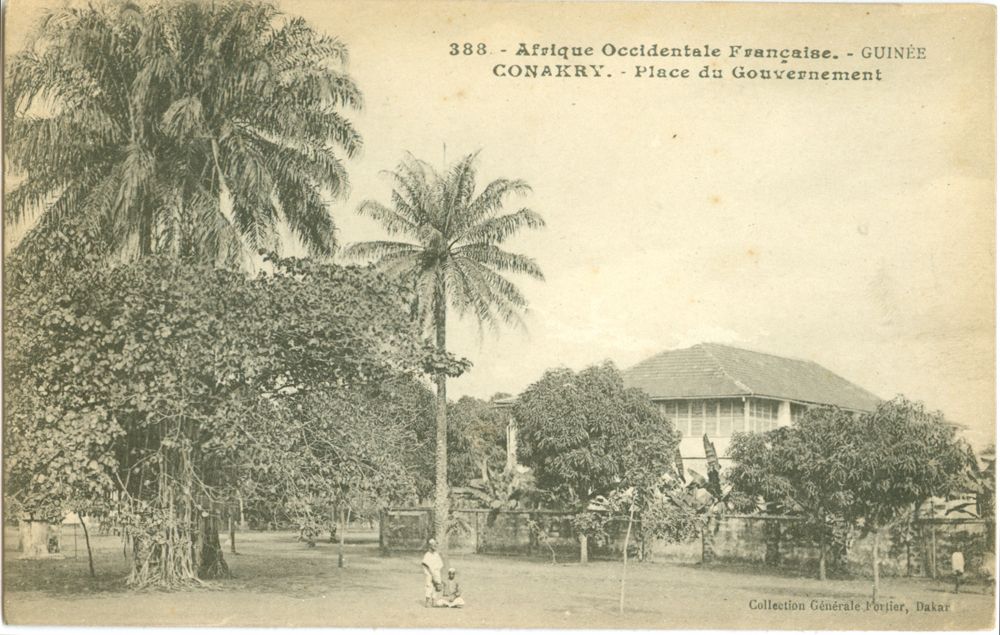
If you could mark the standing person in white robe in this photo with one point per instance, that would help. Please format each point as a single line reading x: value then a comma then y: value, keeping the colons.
x: 957, y: 567
x: 432, y: 565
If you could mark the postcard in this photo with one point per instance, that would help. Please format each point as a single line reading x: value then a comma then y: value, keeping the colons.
x: 506, y: 315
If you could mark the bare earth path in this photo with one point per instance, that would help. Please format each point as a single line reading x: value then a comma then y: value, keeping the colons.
x: 279, y: 582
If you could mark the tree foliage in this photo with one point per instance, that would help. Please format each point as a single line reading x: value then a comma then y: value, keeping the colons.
x: 986, y: 494
x: 867, y: 471
x: 177, y: 127
x: 312, y: 454
x: 477, y: 440
x: 792, y: 469
x: 898, y: 456
x: 127, y: 383
x: 797, y: 471
x: 585, y: 435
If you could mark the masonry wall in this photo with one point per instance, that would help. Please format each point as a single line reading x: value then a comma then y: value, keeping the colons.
x: 736, y: 539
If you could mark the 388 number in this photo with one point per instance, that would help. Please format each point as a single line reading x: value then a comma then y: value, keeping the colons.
x: 468, y: 49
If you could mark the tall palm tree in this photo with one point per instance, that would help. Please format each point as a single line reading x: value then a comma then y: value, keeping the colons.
x: 179, y: 127
x: 453, y: 257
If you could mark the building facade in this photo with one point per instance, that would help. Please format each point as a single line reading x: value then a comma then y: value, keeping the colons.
x: 720, y: 390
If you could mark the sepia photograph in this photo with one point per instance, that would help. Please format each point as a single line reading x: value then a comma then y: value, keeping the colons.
x: 499, y: 315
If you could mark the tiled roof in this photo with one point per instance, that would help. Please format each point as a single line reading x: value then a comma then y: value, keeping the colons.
x: 715, y: 370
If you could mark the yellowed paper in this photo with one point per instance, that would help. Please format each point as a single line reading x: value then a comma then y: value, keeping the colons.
x: 812, y: 181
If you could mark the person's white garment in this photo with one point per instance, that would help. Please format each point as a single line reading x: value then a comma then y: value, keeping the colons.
x: 958, y: 562
x: 432, y: 572
x: 452, y: 595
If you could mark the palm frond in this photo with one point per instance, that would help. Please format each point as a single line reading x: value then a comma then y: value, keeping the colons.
x: 392, y: 220
x: 496, y: 230
x: 378, y: 249
x: 457, y: 189
x: 504, y: 289
x: 491, y: 200
x: 457, y: 236
x: 170, y: 103
x: 496, y: 300
x: 307, y: 216
x: 398, y: 266
x: 501, y: 260
x: 467, y: 293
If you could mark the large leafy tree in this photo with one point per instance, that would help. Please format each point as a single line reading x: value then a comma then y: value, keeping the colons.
x: 136, y: 385
x: 180, y: 127
x: 867, y: 471
x: 319, y: 456
x: 794, y: 470
x: 453, y: 256
x: 896, y: 458
x: 586, y: 437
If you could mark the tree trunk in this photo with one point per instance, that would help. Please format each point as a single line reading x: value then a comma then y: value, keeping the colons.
x: 475, y: 532
x: 35, y: 537
x: 908, y: 573
x: 701, y: 534
x: 875, y: 567
x: 583, y: 548
x: 86, y: 538
x: 441, y: 450
x: 334, y: 511
x: 209, y: 562
x: 345, y: 517
x: 822, y: 558
x: 232, y: 534
x: 934, y: 552
x: 628, y: 534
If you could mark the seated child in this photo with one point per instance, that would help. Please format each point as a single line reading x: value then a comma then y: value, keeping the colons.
x: 452, y: 598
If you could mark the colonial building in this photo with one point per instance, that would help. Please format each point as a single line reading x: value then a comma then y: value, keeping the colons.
x: 721, y: 390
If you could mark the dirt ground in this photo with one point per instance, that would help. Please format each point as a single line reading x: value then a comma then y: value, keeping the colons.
x: 281, y: 582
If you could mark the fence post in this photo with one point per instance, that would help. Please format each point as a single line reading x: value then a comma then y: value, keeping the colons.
x: 475, y: 532
x: 531, y: 536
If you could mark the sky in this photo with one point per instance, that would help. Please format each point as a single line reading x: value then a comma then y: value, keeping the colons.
x: 848, y: 223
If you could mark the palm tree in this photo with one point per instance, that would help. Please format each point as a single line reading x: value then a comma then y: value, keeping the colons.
x: 453, y: 257
x: 179, y: 128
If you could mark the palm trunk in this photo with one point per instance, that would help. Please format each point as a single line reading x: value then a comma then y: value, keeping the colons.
x: 583, y: 549
x: 441, y: 454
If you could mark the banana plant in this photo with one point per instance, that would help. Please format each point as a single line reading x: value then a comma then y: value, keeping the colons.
x: 703, y: 498
x: 499, y: 491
